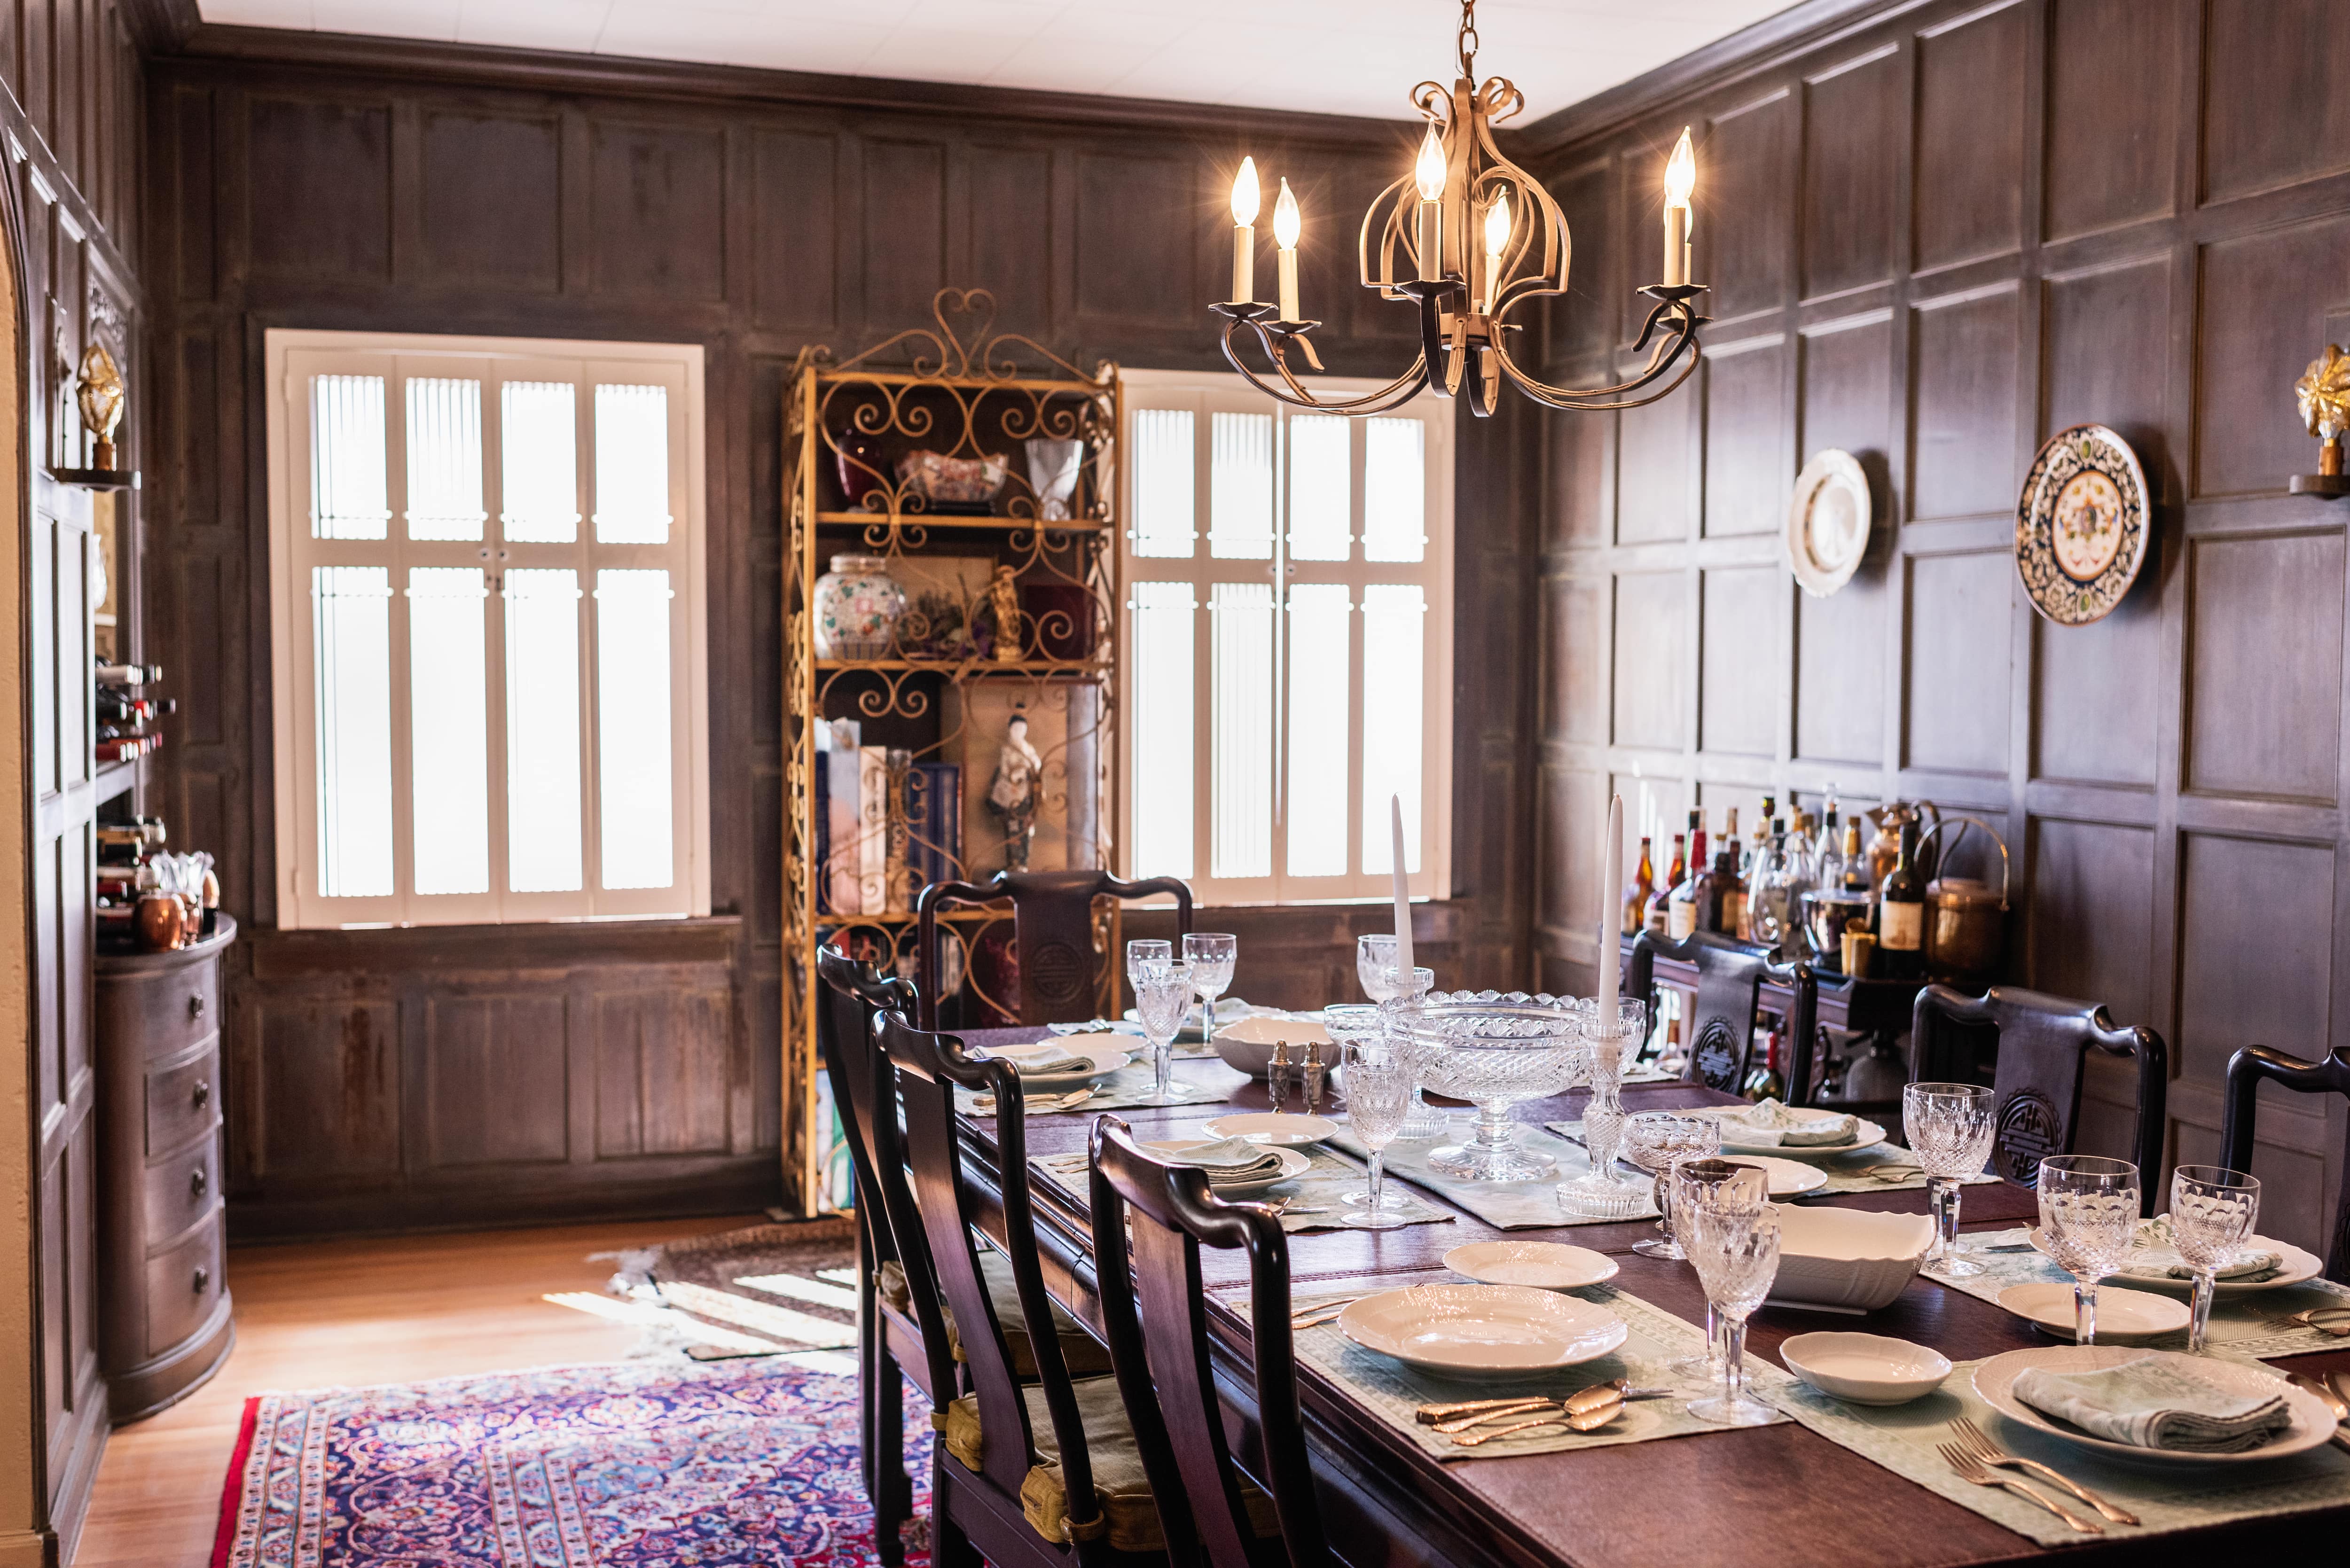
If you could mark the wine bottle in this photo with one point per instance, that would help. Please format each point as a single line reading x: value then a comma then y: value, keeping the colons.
x: 1856, y: 868
x: 1726, y: 893
x: 129, y: 674
x: 1769, y: 1081
x: 1636, y: 895
x: 1761, y: 834
x: 1682, y: 910
x: 1660, y: 907
x: 1901, y: 914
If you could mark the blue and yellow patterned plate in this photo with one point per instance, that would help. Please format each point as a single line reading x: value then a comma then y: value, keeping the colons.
x: 2081, y: 524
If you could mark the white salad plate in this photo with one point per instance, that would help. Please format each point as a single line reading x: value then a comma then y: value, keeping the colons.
x: 1293, y: 1166
x: 1865, y: 1368
x: 1788, y: 1178
x: 1280, y: 1128
x: 1544, y: 1265
x: 1995, y: 1380
x: 1866, y: 1135
x: 2121, y: 1313
x: 1101, y: 1062
x: 2297, y: 1268
x: 1478, y: 1333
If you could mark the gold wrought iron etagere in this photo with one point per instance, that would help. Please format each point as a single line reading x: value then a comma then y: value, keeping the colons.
x: 936, y: 452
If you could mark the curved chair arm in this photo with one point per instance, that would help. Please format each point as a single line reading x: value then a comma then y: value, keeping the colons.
x: 2247, y: 1068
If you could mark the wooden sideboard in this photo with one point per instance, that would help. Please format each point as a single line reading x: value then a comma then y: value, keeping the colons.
x: 164, y: 1322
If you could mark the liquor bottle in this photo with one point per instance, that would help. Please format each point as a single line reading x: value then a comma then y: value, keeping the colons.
x: 1901, y: 914
x: 129, y: 674
x: 1762, y: 833
x: 1660, y: 908
x: 1855, y: 869
x: 1726, y: 893
x: 1769, y: 1081
x: 1643, y: 887
x: 1828, y: 859
x: 1768, y: 916
x: 1682, y: 910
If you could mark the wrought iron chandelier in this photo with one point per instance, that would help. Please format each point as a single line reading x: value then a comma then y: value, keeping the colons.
x: 1470, y: 237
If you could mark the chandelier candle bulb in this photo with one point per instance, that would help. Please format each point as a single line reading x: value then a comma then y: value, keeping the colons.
x: 1681, y: 181
x: 1244, y: 205
x: 1429, y: 174
x: 1285, y: 226
x: 1497, y: 240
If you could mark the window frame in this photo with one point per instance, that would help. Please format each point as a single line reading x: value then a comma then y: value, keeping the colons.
x: 292, y: 356
x: 1206, y: 393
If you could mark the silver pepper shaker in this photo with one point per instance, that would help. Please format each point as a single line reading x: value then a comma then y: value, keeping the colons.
x: 1276, y: 1073
x: 1315, y: 1074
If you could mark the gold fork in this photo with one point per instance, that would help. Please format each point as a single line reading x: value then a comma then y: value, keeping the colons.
x: 1314, y: 1317
x: 2337, y: 1319
x: 1971, y: 1438
x: 1971, y: 1468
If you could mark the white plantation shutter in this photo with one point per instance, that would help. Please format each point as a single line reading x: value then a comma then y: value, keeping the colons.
x: 488, y: 590
x: 1289, y: 645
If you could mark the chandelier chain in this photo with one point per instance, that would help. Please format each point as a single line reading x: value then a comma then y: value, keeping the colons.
x: 1469, y: 40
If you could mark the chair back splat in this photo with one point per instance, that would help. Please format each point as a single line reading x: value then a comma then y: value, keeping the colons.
x: 2247, y: 1070
x: 1052, y: 933
x: 1729, y: 987
x: 1159, y: 1345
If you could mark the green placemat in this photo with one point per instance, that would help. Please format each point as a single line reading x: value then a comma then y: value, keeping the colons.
x: 1315, y: 1200
x: 1394, y: 1391
x: 2241, y: 1324
x: 1847, y: 1171
x: 2165, y: 1497
x: 1506, y: 1205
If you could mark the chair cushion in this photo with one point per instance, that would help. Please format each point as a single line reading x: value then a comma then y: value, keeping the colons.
x: 1120, y: 1487
x: 1086, y: 1356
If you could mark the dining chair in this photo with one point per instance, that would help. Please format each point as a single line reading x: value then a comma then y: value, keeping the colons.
x: 2247, y: 1069
x: 1052, y: 935
x: 1023, y: 1475
x: 2043, y: 1043
x: 1150, y: 1221
x: 1729, y: 989
x: 1803, y: 1030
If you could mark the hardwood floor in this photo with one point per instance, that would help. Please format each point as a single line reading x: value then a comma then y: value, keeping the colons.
x: 320, y: 1314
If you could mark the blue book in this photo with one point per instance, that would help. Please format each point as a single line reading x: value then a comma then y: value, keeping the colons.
x: 933, y: 823
x: 819, y: 845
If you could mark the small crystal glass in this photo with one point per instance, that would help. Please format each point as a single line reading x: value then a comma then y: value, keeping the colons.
x: 1732, y: 1231
x: 1949, y: 1128
x: 1162, y: 997
x: 1379, y: 1092
x: 1375, y: 970
x: 1605, y: 1043
x: 1493, y: 1051
x: 1210, y: 955
x: 1140, y: 950
x: 2088, y: 1216
x: 1658, y: 1141
x: 1348, y: 1022
x: 2211, y: 1212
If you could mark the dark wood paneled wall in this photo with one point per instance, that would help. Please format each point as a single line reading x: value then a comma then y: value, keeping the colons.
x: 307, y: 184
x: 1935, y: 240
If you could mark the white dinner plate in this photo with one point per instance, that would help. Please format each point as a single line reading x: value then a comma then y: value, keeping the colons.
x: 1480, y: 1332
x: 1994, y: 1379
x: 1280, y: 1128
x: 1293, y: 1166
x: 1102, y: 1060
x: 2298, y: 1267
x: 2121, y: 1313
x: 1788, y: 1178
x: 1544, y: 1265
x: 1866, y: 1134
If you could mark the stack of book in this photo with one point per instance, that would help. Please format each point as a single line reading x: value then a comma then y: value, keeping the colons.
x: 887, y: 826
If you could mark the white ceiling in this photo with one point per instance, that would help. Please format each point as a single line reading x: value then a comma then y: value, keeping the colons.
x: 1332, y: 57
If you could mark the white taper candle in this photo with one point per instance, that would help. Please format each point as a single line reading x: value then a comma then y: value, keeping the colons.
x: 1611, y: 872
x: 1403, y: 902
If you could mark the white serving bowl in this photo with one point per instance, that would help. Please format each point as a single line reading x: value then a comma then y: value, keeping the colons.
x: 1246, y: 1044
x: 1847, y: 1257
x: 1865, y: 1368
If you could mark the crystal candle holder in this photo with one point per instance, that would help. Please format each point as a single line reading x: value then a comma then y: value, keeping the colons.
x: 1605, y: 1043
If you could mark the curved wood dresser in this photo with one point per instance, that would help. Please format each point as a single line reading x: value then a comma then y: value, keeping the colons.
x: 163, y: 1301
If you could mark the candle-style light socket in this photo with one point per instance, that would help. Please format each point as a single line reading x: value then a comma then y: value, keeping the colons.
x: 1243, y: 263
x: 1289, y: 311
x: 1677, y: 246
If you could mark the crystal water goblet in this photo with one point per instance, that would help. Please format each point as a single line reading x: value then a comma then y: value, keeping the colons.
x: 1600, y: 1059
x: 1140, y: 950
x: 1378, y: 1093
x: 1162, y: 998
x: 1949, y: 1128
x: 1422, y: 1120
x: 1348, y: 1022
x: 2212, y: 1211
x: 1658, y: 1141
x: 1210, y: 955
x: 1732, y: 1231
x: 2088, y: 1217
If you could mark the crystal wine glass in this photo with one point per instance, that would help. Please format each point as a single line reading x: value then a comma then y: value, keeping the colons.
x: 1210, y: 955
x: 1732, y: 1231
x: 1658, y: 1141
x: 1348, y: 1022
x: 1375, y: 970
x: 1605, y: 1042
x: 1378, y: 1091
x: 2088, y: 1216
x: 2211, y: 1212
x: 1162, y: 997
x: 1949, y: 1128
x: 1140, y: 950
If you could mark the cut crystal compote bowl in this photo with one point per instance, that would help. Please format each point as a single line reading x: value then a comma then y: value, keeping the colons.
x: 1493, y: 1050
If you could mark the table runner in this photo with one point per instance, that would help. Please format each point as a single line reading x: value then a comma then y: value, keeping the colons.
x: 1844, y: 1171
x: 1505, y: 1205
x: 1392, y: 1391
x: 2169, y: 1498
x: 1317, y: 1206
x: 1129, y: 1086
x: 2241, y: 1325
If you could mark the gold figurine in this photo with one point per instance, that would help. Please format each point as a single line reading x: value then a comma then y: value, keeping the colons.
x: 2324, y: 393
x: 1003, y: 594
x: 101, y: 391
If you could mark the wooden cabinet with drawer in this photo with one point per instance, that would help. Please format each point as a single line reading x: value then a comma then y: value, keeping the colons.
x: 164, y: 1323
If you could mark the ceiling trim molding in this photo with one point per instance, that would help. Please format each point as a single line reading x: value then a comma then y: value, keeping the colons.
x: 1750, y: 51
x: 159, y: 26
x: 618, y: 76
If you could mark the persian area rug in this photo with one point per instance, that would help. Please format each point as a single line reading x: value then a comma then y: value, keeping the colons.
x: 625, y: 1466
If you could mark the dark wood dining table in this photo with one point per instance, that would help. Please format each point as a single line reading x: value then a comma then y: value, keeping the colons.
x: 1742, y: 1498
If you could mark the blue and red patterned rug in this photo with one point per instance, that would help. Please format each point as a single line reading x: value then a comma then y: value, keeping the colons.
x: 633, y: 1465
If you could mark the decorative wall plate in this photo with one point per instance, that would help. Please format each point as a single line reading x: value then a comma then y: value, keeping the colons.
x: 2081, y: 524
x: 1827, y: 523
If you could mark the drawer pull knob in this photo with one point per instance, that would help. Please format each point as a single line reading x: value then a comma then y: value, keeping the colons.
x: 196, y: 1005
x: 203, y: 1277
x: 199, y: 1182
x: 203, y: 1093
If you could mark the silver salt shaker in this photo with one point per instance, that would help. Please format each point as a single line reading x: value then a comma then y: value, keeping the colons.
x: 1276, y: 1073
x: 1314, y: 1074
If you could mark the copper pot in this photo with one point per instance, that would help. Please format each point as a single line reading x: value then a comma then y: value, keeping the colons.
x: 1966, y: 920
x: 159, y: 921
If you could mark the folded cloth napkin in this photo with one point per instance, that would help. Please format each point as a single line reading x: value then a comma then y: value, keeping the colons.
x: 2152, y: 1402
x: 1770, y: 1124
x: 1226, y: 1159
x: 1030, y: 1061
x: 2154, y: 1255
